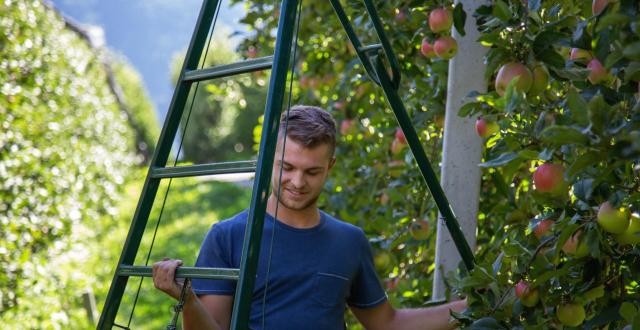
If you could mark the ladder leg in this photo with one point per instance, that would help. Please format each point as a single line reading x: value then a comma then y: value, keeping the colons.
x: 424, y: 165
x: 159, y: 159
x: 255, y: 221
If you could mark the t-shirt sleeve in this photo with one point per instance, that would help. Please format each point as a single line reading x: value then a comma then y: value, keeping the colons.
x: 366, y: 290
x: 214, y: 253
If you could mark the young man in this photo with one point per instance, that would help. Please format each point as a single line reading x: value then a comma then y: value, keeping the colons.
x: 317, y: 264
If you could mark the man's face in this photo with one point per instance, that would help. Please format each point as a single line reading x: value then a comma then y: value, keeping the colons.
x: 304, y: 172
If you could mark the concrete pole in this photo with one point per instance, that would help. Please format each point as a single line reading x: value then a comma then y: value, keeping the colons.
x: 462, y: 148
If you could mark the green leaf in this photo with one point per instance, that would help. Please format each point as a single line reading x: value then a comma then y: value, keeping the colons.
x: 573, y: 74
x: 583, y: 189
x: 557, y: 134
x: 550, y: 57
x: 612, y: 19
x: 469, y: 109
x: 500, y: 160
x: 598, y: 110
x: 533, y: 5
x: 501, y: 11
x: 628, y: 311
x: 459, y: 18
x: 486, y: 323
x: 632, y: 51
x: 632, y: 72
x: 583, y: 161
x: 578, y: 107
x: 528, y: 154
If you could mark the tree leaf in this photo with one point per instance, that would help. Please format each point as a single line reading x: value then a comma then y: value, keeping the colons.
x: 500, y: 160
x: 578, y: 107
x: 459, y: 18
x: 628, y: 311
x: 583, y: 189
x: 558, y: 134
x: 632, y: 51
x: 598, y: 109
x: 501, y: 11
x: 586, y: 159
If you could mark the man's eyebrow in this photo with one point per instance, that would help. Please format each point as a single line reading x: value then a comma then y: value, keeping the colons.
x: 285, y: 163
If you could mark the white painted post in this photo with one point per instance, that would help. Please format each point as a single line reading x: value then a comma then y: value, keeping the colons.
x: 462, y: 148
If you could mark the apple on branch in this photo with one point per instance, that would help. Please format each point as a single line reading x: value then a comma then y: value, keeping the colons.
x: 598, y: 6
x: 580, y: 55
x: 427, y: 49
x: 440, y: 20
x: 598, y: 72
x: 613, y: 220
x: 445, y: 47
x: 528, y: 297
x: 549, y: 178
x: 570, y: 314
x: 486, y: 128
x: 510, y: 71
x: 543, y: 228
x: 419, y: 230
x: 630, y: 236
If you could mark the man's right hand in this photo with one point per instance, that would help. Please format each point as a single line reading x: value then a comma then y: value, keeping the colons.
x: 164, y: 277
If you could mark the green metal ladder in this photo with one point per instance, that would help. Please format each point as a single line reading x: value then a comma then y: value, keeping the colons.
x: 370, y: 57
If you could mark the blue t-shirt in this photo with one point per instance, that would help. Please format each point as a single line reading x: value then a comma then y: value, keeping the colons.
x: 314, y: 272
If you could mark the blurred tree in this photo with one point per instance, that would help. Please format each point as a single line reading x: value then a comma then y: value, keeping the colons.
x: 224, y: 110
x: 66, y: 149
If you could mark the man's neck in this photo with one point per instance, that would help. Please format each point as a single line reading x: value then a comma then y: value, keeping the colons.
x: 307, y: 218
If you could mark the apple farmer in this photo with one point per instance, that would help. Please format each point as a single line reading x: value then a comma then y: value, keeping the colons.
x: 318, y: 264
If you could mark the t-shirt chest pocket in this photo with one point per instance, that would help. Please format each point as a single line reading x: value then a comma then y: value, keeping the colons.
x: 330, y: 289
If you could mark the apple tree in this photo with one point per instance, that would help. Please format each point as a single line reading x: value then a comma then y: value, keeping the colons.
x: 558, y: 225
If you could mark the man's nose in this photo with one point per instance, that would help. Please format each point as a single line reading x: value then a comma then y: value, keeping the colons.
x: 298, y: 180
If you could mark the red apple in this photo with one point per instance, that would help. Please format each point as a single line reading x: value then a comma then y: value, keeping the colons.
x: 427, y: 49
x: 543, y: 228
x: 540, y: 79
x: 598, y: 72
x: 384, y: 199
x: 347, y: 126
x: 486, y: 128
x: 528, y: 297
x: 598, y: 6
x: 612, y: 220
x: 548, y: 178
x: 580, y: 55
x: 401, y: 15
x: 252, y: 52
x: 400, y: 136
x: 440, y: 20
x: 419, y: 230
x: 397, y: 147
x: 339, y: 105
x: 445, y: 47
x: 510, y: 71
x: 570, y: 314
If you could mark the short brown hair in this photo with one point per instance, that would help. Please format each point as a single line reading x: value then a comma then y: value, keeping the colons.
x: 310, y: 126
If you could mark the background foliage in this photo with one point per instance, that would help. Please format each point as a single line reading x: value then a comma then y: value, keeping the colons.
x: 66, y: 149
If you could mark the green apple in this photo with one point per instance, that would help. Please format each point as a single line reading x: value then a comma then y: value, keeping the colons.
x: 571, y: 314
x: 575, y: 246
x: 612, y: 220
x: 631, y: 236
x: 510, y: 71
x: 528, y: 297
x: 382, y: 260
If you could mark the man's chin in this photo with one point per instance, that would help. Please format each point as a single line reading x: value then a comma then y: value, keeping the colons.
x: 297, y: 205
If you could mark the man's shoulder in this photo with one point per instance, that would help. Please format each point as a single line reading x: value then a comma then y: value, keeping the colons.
x: 342, y: 226
x: 236, y: 222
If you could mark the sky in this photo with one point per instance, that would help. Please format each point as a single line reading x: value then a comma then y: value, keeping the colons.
x: 149, y: 33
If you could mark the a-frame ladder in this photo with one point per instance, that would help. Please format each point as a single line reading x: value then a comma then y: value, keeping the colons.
x: 369, y: 56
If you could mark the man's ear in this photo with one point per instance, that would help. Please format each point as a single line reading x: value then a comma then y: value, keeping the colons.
x: 332, y: 162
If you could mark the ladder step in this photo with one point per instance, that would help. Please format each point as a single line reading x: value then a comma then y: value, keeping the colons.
x: 246, y: 166
x: 257, y: 64
x: 368, y: 48
x: 183, y: 272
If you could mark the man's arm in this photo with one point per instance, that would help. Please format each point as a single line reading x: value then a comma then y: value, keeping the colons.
x: 384, y: 316
x: 206, y: 312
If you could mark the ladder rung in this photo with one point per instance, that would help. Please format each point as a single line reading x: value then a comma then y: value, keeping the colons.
x: 370, y: 47
x: 246, y: 166
x: 184, y: 272
x: 257, y: 64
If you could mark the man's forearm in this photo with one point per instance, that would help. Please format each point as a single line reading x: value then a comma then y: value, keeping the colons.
x: 195, y: 316
x: 432, y: 318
